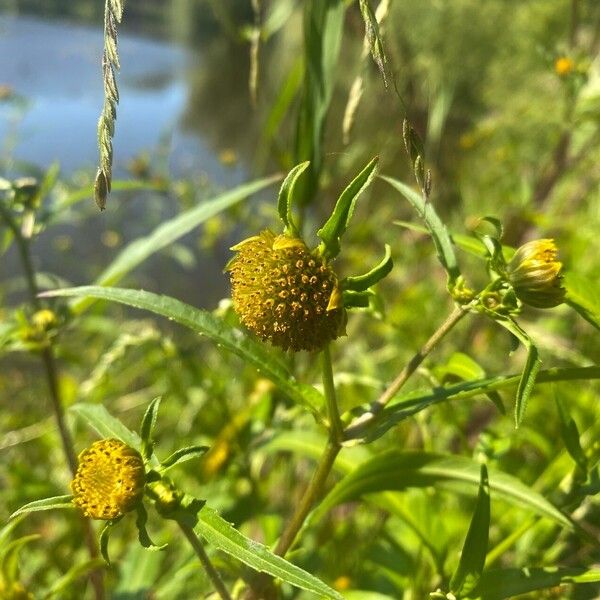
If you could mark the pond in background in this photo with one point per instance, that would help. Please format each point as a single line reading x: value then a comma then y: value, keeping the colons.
x: 54, y: 65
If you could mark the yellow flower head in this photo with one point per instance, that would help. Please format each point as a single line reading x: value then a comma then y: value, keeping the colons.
x: 284, y: 293
x: 563, y: 65
x: 535, y: 274
x: 109, y: 481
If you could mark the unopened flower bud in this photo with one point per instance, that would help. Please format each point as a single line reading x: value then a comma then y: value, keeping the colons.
x: 535, y: 274
x: 284, y: 293
x: 109, y: 481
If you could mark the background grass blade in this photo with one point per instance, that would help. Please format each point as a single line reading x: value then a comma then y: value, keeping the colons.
x: 137, y: 251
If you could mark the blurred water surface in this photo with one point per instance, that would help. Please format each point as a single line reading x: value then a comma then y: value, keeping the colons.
x: 50, y: 59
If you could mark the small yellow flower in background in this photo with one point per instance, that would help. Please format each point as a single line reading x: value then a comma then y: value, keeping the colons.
x: 14, y: 591
x: 342, y: 583
x: 284, y: 293
x: 109, y: 481
x: 535, y: 274
x: 563, y: 65
x: 44, y: 319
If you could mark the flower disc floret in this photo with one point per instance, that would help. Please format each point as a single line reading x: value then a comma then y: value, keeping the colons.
x: 109, y: 481
x: 284, y: 293
x: 535, y: 274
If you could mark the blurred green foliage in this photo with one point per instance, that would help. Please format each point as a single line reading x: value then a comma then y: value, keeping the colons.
x: 508, y: 130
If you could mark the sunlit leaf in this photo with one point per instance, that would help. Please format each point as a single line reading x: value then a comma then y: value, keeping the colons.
x: 502, y: 584
x: 205, y: 323
x: 437, y: 229
x: 334, y: 228
x: 472, y: 558
x: 530, y: 370
x: 221, y: 534
x: 399, y: 470
x: 45, y: 504
x: 286, y: 197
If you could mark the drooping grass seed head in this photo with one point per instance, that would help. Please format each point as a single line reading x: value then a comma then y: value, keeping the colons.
x: 535, y: 274
x: 109, y: 481
x: 284, y: 293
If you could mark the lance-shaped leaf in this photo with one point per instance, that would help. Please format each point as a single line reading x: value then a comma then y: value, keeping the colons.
x: 501, y: 584
x: 530, y: 370
x: 205, y: 323
x: 360, y: 283
x: 104, y: 538
x: 182, y: 455
x: 144, y: 538
x: 437, y: 229
x: 407, y: 405
x: 286, y: 197
x: 137, y: 251
x: 333, y: 230
x: 45, y: 504
x: 472, y: 559
x: 399, y: 470
x: 147, y: 427
x: 570, y: 434
x: 225, y: 537
x: 104, y: 424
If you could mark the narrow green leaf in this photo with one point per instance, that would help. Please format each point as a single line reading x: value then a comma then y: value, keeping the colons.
x: 144, y: 538
x: 323, y: 31
x: 356, y: 299
x: 570, y: 434
x: 472, y: 559
x: 374, y: 38
x: 148, y: 423
x: 509, y: 583
x: 205, y: 323
x: 45, y: 504
x: 437, y: 229
x: 334, y: 228
x: 225, y: 537
x: 399, y: 470
x: 104, y: 424
x: 104, y: 537
x: 360, y: 283
x: 530, y: 370
x: 183, y: 455
x: 405, y: 406
x: 168, y: 232
x: 286, y: 197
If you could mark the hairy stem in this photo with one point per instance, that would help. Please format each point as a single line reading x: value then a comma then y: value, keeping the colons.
x: 358, y: 426
x: 51, y: 372
x: 212, y: 573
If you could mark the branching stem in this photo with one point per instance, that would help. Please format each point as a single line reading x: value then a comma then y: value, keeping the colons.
x: 358, y: 426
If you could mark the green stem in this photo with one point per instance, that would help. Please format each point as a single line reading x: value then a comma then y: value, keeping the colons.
x: 212, y: 573
x: 335, y: 422
x: 313, y: 491
x: 51, y: 371
x: 358, y: 426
